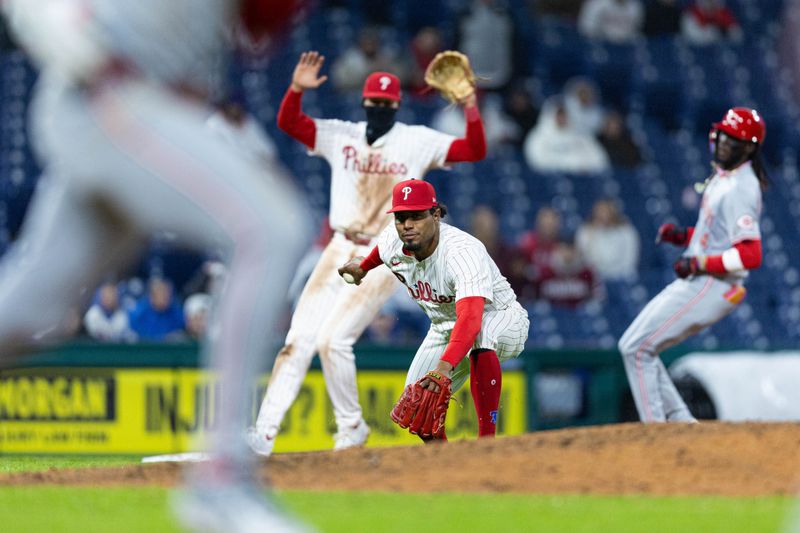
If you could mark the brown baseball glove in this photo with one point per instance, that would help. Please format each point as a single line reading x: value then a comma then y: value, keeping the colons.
x: 423, y: 411
x: 450, y: 73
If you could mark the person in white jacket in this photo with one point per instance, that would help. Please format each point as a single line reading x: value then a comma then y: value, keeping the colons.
x: 105, y: 320
x: 554, y: 145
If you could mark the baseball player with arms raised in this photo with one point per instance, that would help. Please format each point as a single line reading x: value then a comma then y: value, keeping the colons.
x: 720, y: 250
x: 366, y: 159
x: 118, y: 119
x: 476, y: 321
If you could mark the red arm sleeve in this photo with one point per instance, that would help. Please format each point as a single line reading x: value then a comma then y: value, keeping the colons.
x: 371, y: 261
x: 749, y: 251
x: 473, y: 146
x: 294, y: 122
x: 689, y: 233
x: 469, y: 314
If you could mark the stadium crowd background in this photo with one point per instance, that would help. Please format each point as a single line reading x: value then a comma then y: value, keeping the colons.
x: 597, y: 115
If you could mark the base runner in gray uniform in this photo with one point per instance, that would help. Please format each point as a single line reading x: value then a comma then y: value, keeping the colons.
x: 720, y: 249
x: 119, y: 120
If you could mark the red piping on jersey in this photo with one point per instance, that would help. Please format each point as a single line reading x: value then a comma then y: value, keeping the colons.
x: 651, y: 341
x: 469, y: 315
x: 749, y: 251
x: 371, y: 261
x: 472, y: 147
x: 294, y: 122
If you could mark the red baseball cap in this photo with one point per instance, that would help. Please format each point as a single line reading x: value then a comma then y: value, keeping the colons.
x: 413, y: 195
x: 382, y: 85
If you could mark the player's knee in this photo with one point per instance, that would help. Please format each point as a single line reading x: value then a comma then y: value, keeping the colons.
x: 626, y: 346
x: 334, y: 346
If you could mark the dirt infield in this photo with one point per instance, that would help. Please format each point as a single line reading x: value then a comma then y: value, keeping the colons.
x: 710, y: 458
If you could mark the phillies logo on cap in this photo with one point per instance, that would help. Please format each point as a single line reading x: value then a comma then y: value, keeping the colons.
x: 413, y: 195
x: 383, y: 85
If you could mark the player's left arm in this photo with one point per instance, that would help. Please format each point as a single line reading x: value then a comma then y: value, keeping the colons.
x: 743, y: 211
x: 473, y: 287
x: 472, y: 147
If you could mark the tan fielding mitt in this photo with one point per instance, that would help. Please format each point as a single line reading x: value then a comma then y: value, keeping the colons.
x: 451, y: 75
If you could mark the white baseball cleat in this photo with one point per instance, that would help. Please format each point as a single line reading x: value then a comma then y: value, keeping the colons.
x: 260, y: 443
x: 351, y: 437
x: 235, y: 508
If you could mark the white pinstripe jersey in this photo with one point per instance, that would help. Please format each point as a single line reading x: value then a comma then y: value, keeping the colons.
x: 729, y: 212
x: 459, y: 267
x: 362, y: 176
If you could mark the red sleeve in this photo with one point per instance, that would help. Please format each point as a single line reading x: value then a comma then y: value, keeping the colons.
x: 469, y: 314
x: 472, y: 147
x: 749, y: 251
x: 294, y: 122
x: 689, y: 233
x: 371, y: 261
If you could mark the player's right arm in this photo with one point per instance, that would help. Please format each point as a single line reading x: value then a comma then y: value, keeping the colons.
x: 359, y: 266
x: 291, y: 118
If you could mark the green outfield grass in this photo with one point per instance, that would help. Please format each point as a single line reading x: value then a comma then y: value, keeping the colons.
x: 122, y: 510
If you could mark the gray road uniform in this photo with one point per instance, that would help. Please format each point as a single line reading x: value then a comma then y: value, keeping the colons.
x: 729, y: 214
x: 128, y: 154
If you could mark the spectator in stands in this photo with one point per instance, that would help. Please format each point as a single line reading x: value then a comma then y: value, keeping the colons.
x: 105, y: 320
x: 615, y: 21
x: 368, y: 55
x: 195, y: 314
x: 498, y: 127
x: 158, y: 315
x: 424, y: 46
x: 554, y: 145
x: 568, y: 9
x: 618, y: 143
x: 384, y: 330
x: 520, y: 107
x: 709, y: 21
x: 485, y: 226
x: 609, y: 242
x: 234, y: 124
x: 582, y: 101
x: 536, y: 247
x: 486, y: 34
x: 567, y: 280
x: 662, y: 17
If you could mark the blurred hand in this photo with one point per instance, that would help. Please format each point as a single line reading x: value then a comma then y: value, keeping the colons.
x: 689, y: 266
x: 306, y: 72
x: 673, y: 234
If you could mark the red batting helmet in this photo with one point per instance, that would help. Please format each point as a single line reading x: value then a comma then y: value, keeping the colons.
x: 382, y: 85
x: 743, y: 124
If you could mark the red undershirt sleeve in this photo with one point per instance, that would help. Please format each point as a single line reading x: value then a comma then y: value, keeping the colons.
x: 372, y: 260
x: 469, y: 315
x: 294, y: 122
x: 749, y: 251
x: 472, y: 147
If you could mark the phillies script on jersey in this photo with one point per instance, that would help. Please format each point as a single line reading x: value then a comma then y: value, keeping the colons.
x: 425, y: 293
x: 372, y: 164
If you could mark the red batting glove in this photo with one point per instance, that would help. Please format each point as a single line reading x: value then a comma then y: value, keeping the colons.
x: 672, y: 233
x: 689, y: 266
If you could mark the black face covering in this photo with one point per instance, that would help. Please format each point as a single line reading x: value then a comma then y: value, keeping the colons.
x: 379, y: 121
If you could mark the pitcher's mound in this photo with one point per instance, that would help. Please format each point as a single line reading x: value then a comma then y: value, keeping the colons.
x: 745, y: 459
